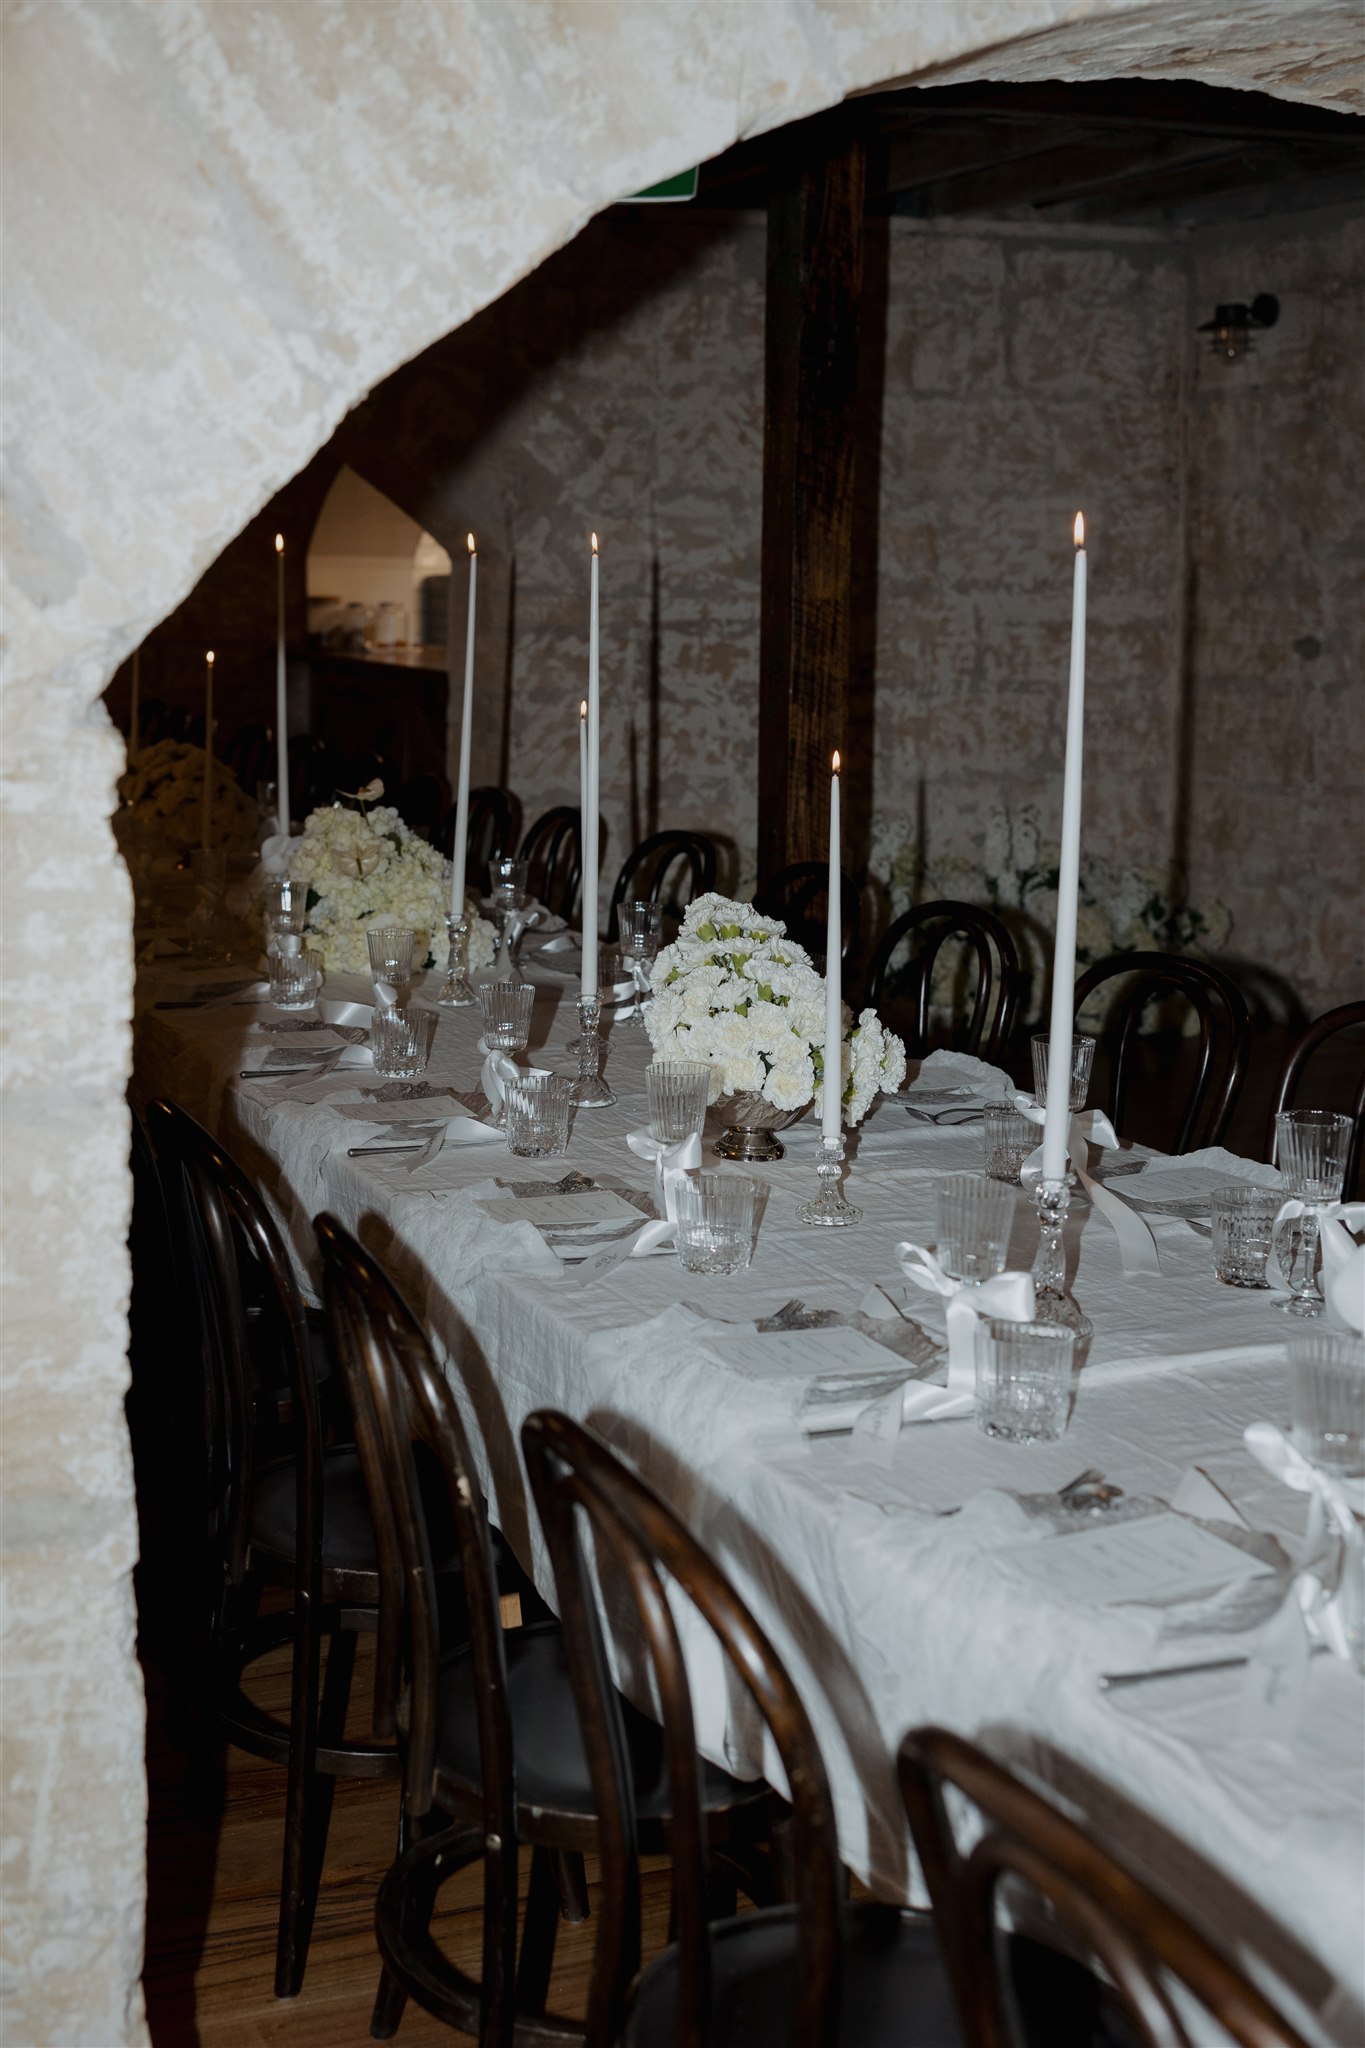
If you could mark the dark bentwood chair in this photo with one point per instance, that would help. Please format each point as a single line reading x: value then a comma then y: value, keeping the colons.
x: 810, y: 1973
x: 553, y: 848
x: 300, y: 1520
x: 1348, y: 1017
x: 929, y: 927
x: 492, y: 1754
x: 677, y: 866
x: 1092, y: 1901
x: 1224, y: 1035
x: 793, y: 894
x: 490, y: 826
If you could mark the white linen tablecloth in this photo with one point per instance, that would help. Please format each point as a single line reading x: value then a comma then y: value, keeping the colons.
x: 891, y: 1607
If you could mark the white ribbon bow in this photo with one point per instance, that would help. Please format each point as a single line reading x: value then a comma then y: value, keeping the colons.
x: 1343, y: 1258
x: 1137, y: 1246
x: 498, y: 1069
x: 672, y: 1164
x: 275, y: 850
x: 1329, y: 1570
x: 1007, y: 1295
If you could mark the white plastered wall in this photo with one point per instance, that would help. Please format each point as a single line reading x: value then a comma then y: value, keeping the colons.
x: 224, y: 221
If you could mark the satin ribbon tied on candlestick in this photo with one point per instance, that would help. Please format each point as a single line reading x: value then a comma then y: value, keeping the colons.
x: 1007, y: 1295
x: 385, y: 994
x: 1137, y: 1246
x: 275, y: 853
x: 1343, y: 1259
x: 1329, y: 1568
x: 672, y: 1164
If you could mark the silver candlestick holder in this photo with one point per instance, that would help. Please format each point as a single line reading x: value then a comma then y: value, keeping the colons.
x: 829, y: 1206
x: 456, y: 993
x: 590, y: 1091
x: 1052, y: 1199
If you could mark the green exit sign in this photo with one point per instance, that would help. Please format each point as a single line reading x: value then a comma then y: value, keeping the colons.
x: 683, y: 186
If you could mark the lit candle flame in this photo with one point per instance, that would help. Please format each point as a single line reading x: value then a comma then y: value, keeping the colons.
x: 594, y: 543
x: 209, y: 657
x: 469, y: 542
x: 583, y: 708
x: 1078, y: 530
x: 836, y: 760
x: 279, y: 543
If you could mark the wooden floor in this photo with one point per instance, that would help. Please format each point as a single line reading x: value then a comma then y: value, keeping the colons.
x: 214, y: 1842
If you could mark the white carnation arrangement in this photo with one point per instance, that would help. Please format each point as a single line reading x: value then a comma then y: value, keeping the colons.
x: 366, y: 867
x: 734, y: 990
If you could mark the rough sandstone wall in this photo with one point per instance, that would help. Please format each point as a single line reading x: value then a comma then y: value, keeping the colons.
x: 224, y: 223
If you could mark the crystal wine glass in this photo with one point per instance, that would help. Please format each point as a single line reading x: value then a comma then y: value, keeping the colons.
x: 1311, y: 1147
x: 641, y: 925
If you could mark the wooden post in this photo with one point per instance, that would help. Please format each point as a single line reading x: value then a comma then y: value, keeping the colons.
x: 815, y: 265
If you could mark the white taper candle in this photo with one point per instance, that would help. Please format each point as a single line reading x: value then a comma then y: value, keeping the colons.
x: 831, y: 1113
x: 281, y: 697
x: 135, y: 707
x: 459, y: 849
x: 592, y: 803
x: 1057, y: 1123
x: 206, y: 821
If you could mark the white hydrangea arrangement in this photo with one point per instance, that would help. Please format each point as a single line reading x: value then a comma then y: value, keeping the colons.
x: 366, y: 867
x: 734, y: 990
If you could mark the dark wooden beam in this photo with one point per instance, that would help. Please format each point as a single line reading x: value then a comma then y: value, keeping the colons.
x: 815, y: 267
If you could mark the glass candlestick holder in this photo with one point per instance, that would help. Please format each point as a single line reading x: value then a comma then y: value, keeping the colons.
x: 590, y: 1091
x: 1052, y: 1199
x: 456, y: 993
x: 829, y: 1206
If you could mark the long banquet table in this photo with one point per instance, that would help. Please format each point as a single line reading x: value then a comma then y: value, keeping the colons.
x: 883, y: 1577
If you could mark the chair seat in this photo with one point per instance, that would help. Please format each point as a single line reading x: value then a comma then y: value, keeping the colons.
x: 895, y: 1989
x: 347, y: 1531
x: 552, y: 1765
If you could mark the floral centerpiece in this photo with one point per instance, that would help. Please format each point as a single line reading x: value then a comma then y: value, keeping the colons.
x: 164, y: 795
x: 735, y: 991
x: 364, y: 867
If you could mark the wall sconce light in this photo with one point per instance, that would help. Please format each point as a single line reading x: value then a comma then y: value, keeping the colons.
x: 1231, y: 327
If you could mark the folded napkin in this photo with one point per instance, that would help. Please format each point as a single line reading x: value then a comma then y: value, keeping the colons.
x: 1329, y: 1568
x: 672, y: 1164
x: 1008, y: 1295
x: 1137, y: 1246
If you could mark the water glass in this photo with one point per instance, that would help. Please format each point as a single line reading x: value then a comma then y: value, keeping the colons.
x: 1329, y: 1401
x: 507, y: 880
x: 285, y: 904
x: 974, y: 1219
x: 715, y: 1222
x: 1008, y: 1139
x: 677, y: 1092
x: 1082, y: 1060
x: 1023, y: 1379
x: 295, y: 975
x: 640, y: 926
x: 1243, y: 1220
x: 1310, y: 1148
x: 390, y: 948
x: 537, y: 1115
x: 506, y: 1008
x: 401, y: 1041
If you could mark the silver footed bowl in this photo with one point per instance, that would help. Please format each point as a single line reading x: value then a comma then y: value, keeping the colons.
x: 751, y: 1125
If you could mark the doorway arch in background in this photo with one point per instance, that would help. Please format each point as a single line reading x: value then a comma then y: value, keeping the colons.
x: 225, y: 222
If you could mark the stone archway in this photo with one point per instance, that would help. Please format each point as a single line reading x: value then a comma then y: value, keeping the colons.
x: 225, y: 221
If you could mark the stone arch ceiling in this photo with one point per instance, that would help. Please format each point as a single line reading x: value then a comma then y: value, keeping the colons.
x: 225, y: 220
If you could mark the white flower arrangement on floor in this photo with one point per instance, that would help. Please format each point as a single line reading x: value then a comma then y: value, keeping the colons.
x: 366, y: 867
x: 734, y: 990
x: 164, y: 793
